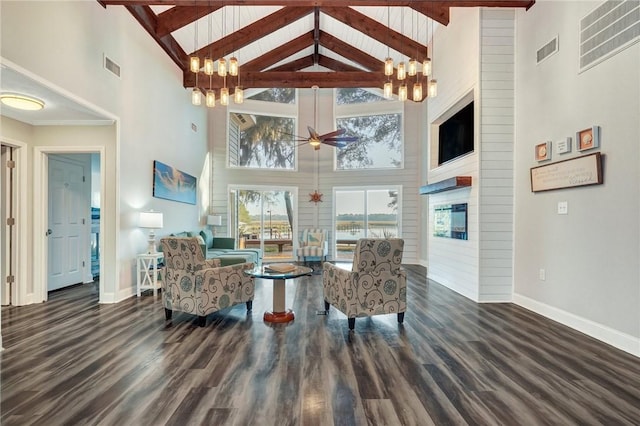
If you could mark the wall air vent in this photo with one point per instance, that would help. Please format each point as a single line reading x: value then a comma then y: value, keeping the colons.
x: 547, y: 50
x: 607, y: 30
x: 244, y: 121
x: 111, y: 66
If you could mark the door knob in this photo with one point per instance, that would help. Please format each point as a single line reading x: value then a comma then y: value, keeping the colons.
x: 49, y: 232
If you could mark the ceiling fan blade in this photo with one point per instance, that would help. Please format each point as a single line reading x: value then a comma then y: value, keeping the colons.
x: 336, y: 144
x: 312, y: 133
x: 343, y: 139
x: 332, y: 134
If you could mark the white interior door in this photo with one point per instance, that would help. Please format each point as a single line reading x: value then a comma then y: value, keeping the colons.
x: 68, y: 207
x: 5, y: 256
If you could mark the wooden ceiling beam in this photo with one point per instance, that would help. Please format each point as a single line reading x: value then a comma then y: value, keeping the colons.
x: 180, y: 16
x: 254, y: 31
x: 301, y: 79
x: 377, y: 31
x: 147, y: 18
x: 296, y: 65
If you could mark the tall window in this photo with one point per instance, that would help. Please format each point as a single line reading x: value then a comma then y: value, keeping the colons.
x: 365, y: 213
x: 261, y: 130
x: 380, y: 142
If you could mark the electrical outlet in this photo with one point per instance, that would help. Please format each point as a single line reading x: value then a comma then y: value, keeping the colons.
x: 542, y: 274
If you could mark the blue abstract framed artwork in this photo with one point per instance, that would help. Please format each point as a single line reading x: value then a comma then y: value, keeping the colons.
x: 170, y: 183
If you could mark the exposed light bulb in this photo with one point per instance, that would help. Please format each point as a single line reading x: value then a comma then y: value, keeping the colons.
x: 224, y: 96
x: 194, y: 64
x: 417, y: 92
x: 238, y: 95
x: 402, y: 73
x: 222, y: 67
x: 196, y: 96
x: 210, y: 98
x: 208, y: 66
x: 433, y: 88
x: 388, y: 90
x: 402, y: 92
x: 233, y: 66
x: 388, y: 66
x: 413, y: 67
x: 426, y: 67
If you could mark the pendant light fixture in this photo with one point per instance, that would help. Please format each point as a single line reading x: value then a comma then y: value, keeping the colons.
x: 426, y: 63
x: 194, y: 66
x: 402, y: 72
x: 412, y: 68
x: 432, y: 90
x: 238, y: 93
x: 402, y: 92
x: 233, y: 61
x: 388, y: 64
x: 210, y: 95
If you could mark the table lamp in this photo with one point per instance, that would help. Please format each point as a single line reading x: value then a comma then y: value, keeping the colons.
x: 214, y: 220
x: 151, y: 220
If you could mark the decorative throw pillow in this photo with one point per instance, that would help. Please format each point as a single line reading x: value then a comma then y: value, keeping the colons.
x: 200, y: 239
x: 315, y: 239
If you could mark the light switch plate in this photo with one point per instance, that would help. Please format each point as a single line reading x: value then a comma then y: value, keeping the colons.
x: 563, y: 207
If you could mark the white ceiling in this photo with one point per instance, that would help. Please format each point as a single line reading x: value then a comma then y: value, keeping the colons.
x: 60, y: 109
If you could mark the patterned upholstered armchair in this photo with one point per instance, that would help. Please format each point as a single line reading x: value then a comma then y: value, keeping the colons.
x: 313, y: 244
x: 197, y: 286
x: 377, y: 283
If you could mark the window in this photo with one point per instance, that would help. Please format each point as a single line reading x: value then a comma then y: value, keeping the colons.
x: 364, y: 213
x: 261, y: 141
x: 380, y: 142
x: 278, y: 95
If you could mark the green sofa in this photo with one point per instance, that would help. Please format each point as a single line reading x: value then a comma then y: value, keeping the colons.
x: 223, y: 248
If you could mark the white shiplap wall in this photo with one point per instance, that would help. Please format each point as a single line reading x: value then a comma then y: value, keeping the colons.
x: 454, y: 263
x: 497, y: 37
x: 307, y: 179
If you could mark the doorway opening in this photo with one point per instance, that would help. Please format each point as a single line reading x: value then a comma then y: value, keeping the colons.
x: 265, y: 219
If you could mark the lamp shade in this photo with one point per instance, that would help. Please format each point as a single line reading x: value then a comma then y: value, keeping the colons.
x: 214, y: 220
x: 150, y: 219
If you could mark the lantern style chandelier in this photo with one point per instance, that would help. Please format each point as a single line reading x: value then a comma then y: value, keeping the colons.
x: 410, y: 68
x: 224, y: 68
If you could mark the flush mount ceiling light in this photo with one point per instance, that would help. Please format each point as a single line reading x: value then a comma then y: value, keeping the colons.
x: 18, y: 101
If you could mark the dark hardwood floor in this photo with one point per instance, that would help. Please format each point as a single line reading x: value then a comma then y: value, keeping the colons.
x: 72, y: 361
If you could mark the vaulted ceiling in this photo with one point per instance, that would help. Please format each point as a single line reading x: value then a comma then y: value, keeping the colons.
x: 296, y: 43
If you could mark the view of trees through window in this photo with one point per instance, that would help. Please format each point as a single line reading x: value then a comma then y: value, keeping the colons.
x: 380, y: 137
x: 261, y: 141
x: 278, y: 95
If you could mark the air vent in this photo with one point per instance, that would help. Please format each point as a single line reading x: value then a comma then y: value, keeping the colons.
x: 609, y: 29
x: 245, y: 121
x: 547, y: 50
x: 111, y: 66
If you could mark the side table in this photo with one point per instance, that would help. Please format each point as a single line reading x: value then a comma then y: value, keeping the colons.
x: 147, y: 276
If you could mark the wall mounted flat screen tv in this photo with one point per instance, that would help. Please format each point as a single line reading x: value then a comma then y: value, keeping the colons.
x: 455, y: 135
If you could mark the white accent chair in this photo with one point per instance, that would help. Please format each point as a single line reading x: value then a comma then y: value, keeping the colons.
x: 376, y: 284
x: 313, y: 245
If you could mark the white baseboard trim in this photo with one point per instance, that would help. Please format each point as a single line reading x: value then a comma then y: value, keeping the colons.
x: 598, y: 331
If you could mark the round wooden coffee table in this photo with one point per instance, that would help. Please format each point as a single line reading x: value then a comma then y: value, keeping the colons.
x: 279, y: 314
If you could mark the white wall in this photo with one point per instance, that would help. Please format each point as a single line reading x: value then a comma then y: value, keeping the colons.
x: 311, y: 215
x: 592, y: 255
x: 153, y: 112
x: 454, y: 263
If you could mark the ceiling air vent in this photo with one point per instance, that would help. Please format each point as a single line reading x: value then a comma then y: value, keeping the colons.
x: 111, y: 66
x: 547, y: 50
x: 607, y: 30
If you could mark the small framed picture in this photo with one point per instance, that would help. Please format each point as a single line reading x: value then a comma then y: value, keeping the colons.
x: 543, y: 151
x: 563, y: 146
x: 588, y: 138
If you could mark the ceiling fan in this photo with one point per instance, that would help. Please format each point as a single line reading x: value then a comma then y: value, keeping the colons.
x: 334, y: 138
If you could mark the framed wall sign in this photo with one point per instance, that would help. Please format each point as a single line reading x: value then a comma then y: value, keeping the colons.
x: 579, y: 171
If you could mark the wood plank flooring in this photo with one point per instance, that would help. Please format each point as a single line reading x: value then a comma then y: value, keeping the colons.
x: 72, y: 361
